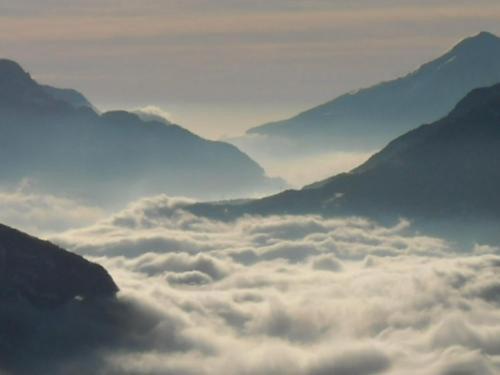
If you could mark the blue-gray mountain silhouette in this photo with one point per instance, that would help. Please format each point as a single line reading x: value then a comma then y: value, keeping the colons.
x: 55, y: 138
x: 369, y: 118
x: 73, y: 97
x: 448, y: 170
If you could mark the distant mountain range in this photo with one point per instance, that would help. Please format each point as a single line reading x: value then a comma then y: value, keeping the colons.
x: 56, y: 138
x: 447, y: 170
x: 367, y: 119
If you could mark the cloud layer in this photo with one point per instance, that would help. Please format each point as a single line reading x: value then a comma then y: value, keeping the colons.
x: 39, y: 213
x: 294, y: 295
x: 282, y: 157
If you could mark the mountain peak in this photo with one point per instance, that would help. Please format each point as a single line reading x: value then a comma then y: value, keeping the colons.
x: 14, y: 81
x: 446, y: 170
x: 370, y: 117
x: 479, y: 41
x: 485, y: 35
x: 12, y: 70
x: 483, y: 99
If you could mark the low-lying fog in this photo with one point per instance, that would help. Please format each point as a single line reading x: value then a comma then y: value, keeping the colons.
x: 289, y: 295
x: 292, y: 161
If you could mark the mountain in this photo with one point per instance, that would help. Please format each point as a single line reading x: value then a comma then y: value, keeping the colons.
x: 444, y: 171
x: 44, y: 275
x: 55, y: 306
x: 368, y: 118
x: 55, y: 139
x: 70, y: 96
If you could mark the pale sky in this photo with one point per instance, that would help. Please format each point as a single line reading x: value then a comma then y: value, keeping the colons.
x: 221, y: 66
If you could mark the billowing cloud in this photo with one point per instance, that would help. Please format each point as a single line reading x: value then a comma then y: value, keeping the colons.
x: 152, y: 112
x: 41, y: 213
x: 293, y: 295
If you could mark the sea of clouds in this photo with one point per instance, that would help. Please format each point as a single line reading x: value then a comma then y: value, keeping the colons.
x: 292, y: 295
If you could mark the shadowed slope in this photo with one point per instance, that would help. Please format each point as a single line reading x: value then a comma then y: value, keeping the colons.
x: 43, y: 274
x: 58, y: 311
x: 446, y: 170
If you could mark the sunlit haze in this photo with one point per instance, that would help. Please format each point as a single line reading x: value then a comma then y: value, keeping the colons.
x: 222, y: 66
x: 249, y: 187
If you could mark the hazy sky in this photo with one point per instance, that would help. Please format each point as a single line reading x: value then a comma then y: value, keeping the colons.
x: 221, y: 66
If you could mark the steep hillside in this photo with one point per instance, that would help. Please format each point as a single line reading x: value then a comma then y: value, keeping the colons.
x: 447, y: 170
x: 370, y: 117
x: 69, y: 149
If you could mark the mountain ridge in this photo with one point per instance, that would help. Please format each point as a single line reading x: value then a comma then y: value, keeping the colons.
x: 85, y: 155
x: 371, y: 116
x: 45, y: 275
x: 443, y: 171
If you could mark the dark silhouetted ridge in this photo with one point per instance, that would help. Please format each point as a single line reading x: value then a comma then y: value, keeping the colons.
x: 45, y: 275
x: 70, y: 96
x: 446, y: 170
x: 10, y: 71
x: 20, y: 93
x: 56, y: 306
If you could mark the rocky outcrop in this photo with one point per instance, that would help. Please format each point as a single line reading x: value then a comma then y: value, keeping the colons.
x: 45, y: 275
